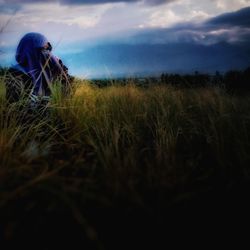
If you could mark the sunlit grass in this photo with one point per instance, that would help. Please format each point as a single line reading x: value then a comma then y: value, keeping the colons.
x: 126, y: 142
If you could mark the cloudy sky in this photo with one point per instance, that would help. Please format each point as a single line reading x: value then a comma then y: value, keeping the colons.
x: 83, y: 33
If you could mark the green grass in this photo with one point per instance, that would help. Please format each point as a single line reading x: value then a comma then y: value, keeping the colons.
x: 116, y: 148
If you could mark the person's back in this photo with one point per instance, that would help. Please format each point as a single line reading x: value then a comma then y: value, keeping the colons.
x: 18, y: 84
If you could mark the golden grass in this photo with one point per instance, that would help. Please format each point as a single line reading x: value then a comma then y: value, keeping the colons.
x: 126, y: 142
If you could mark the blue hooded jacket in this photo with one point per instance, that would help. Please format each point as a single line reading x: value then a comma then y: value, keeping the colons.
x: 34, y: 58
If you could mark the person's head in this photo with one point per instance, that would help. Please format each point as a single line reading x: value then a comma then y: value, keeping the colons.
x: 30, y: 46
x: 35, y: 58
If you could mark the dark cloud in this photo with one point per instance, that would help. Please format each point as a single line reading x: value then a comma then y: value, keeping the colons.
x: 238, y: 18
x: 231, y: 27
x: 69, y: 2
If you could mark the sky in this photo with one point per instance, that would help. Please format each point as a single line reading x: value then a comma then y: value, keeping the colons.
x: 102, y: 38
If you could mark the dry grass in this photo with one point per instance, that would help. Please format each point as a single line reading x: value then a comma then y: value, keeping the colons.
x: 120, y: 147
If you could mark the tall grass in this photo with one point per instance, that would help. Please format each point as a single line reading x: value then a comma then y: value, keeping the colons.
x: 118, y: 146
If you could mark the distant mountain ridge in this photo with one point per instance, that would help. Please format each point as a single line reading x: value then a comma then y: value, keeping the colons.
x: 147, y: 59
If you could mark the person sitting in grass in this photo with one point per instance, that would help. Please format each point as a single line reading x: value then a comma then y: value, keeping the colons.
x: 37, y: 68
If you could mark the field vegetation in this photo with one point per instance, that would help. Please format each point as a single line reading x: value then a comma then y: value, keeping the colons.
x: 107, y: 166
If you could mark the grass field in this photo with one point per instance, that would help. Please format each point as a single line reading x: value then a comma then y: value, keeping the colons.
x: 106, y: 163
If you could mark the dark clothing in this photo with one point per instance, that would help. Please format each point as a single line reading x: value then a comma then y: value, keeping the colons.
x: 18, y: 84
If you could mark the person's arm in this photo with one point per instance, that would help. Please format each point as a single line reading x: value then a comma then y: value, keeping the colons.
x: 62, y: 74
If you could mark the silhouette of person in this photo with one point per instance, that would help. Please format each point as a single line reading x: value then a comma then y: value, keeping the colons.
x: 36, y: 69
